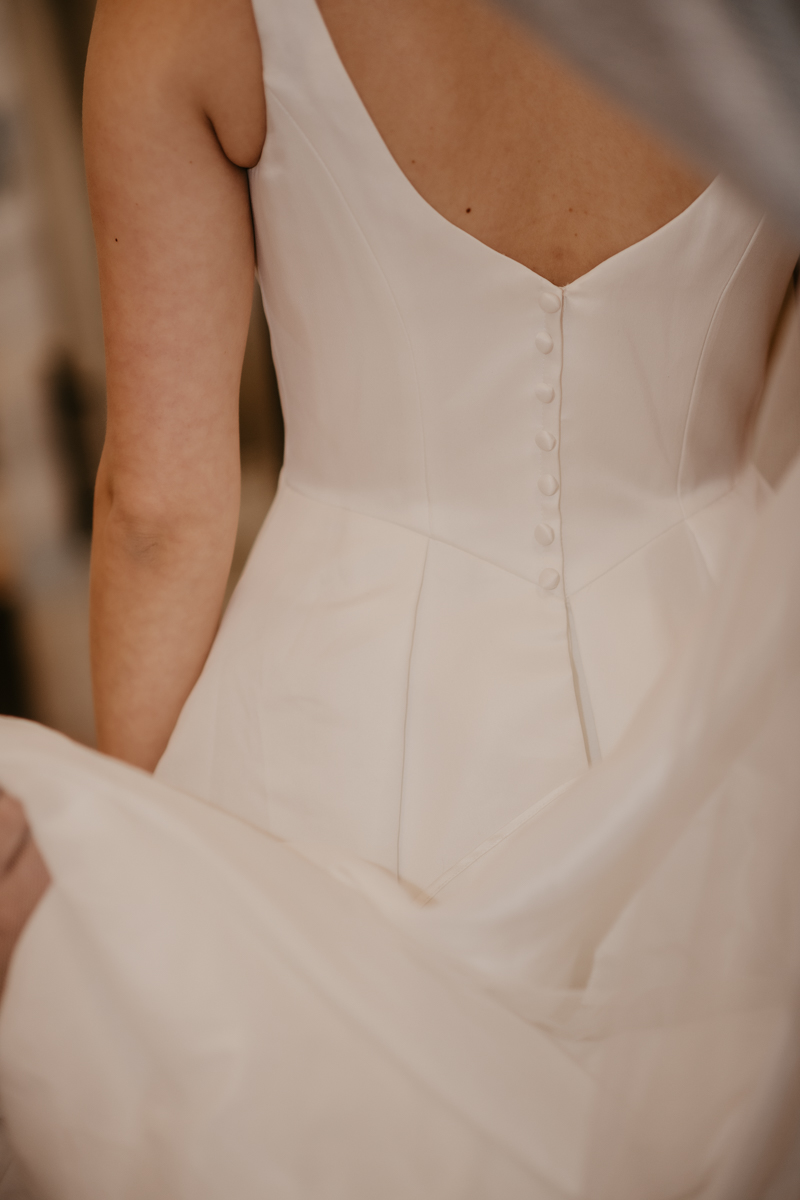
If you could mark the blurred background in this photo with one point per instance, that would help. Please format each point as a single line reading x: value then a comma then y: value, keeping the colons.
x: 52, y: 388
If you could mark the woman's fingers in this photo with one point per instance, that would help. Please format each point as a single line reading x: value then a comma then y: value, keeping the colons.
x: 24, y: 877
x: 13, y: 830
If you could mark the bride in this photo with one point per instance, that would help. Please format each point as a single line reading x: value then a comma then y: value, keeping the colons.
x: 520, y: 346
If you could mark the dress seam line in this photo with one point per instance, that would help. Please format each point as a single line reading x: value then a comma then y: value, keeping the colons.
x: 272, y: 96
x: 685, y: 519
x: 411, y: 650
x: 431, y: 537
x: 693, y: 401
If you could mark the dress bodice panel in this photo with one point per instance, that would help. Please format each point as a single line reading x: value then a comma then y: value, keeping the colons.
x: 665, y: 349
x: 416, y: 356
x: 501, y: 503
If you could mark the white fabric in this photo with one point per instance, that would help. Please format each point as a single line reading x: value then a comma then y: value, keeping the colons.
x: 390, y: 677
x: 585, y: 985
x: 603, y: 1004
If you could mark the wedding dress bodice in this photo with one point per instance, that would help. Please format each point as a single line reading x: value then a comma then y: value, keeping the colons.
x: 501, y: 504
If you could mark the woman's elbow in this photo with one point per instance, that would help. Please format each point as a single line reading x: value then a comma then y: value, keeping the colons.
x: 148, y: 523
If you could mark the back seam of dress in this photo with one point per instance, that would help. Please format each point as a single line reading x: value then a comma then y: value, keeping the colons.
x: 271, y: 96
x: 583, y: 698
x: 411, y: 648
x: 583, y: 701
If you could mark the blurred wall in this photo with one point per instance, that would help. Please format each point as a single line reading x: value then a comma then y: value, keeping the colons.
x: 52, y: 394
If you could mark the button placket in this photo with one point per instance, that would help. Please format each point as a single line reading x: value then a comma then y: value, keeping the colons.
x: 547, y: 529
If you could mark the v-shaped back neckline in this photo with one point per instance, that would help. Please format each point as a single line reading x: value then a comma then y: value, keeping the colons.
x: 425, y: 205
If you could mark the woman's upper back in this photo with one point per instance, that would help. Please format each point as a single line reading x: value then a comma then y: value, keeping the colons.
x: 432, y: 379
x: 495, y: 133
x: 503, y: 139
x: 428, y: 177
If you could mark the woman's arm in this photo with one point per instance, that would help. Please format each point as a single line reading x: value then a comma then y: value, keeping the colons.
x: 174, y: 110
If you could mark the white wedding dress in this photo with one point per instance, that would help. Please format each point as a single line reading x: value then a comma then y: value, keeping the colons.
x: 473, y: 967
x: 501, y: 504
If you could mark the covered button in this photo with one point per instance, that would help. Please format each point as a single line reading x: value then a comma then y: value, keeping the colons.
x: 549, y: 579
x: 544, y: 535
x: 548, y: 485
x: 545, y: 440
x: 550, y: 302
x: 544, y: 342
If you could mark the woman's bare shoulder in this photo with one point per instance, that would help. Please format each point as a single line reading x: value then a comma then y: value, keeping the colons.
x: 165, y: 57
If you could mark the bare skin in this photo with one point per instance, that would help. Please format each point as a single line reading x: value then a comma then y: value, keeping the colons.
x: 502, y: 138
x: 493, y: 132
x: 174, y: 109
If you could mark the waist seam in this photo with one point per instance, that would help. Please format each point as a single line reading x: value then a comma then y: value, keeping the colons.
x: 431, y: 537
x: 685, y: 520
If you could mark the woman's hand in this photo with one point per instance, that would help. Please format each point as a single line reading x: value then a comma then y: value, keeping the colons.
x: 23, y: 877
x: 174, y: 112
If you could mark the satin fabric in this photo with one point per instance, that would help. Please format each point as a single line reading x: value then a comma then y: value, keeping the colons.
x: 603, y: 1002
x: 424, y: 640
x: 467, y: 974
